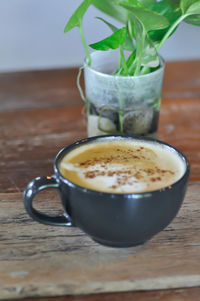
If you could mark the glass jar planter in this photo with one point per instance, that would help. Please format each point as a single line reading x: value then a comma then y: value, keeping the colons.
x: 121, y: 104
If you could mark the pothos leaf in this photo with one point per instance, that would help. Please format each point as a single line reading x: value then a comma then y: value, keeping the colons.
x: 132, y: 3
x: 114, y: 41
x: 194, y: 20
x: 193, y: 13
x: 76, y: 18
x: 168, y: 8
x: 194, y: 9
x: 131, y: 62
x: 147, y: 3
x: 111, y: 9
x: 190, y: 13
x: 146, y: 54
x: 128, y: 44
x: 111, y: 26
x: 185, y: 4
x: 150, y: 20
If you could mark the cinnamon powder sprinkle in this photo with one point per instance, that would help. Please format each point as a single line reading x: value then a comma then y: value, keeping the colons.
x: 126, y: 175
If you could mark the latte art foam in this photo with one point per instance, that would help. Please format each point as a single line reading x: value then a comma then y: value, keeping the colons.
x: 122, y: 166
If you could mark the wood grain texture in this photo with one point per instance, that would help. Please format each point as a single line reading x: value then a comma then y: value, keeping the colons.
x: 40, y: 260
x: 38, y: 89
x: 180, y: 126
x: 186, y: 294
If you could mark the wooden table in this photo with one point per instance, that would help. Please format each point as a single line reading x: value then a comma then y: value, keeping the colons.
x: 41, y: 112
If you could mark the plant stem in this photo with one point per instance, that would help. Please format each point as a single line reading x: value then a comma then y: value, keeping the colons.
x: 121, y: 105
x: 79, y: 85
x: 85, y: 44
x: 132, y: 67
x: 121, y: 114
x: 118, y: 70
x: 139, y: 58
x: 123, y: 61
x: 166, y: 36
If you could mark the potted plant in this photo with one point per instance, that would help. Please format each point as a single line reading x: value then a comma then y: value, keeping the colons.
x: 123, y: 76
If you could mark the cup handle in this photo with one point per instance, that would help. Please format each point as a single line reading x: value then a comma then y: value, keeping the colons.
x: 35, y: 186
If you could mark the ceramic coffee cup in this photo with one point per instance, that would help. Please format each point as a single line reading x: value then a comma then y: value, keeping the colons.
x: 112, y: 219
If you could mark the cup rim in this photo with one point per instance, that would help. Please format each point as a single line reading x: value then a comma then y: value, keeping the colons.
x: 85, y: 65
x: 70, y: 147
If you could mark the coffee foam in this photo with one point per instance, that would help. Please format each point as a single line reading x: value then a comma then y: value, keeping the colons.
x: 123, y: 166
x: 103, y: 180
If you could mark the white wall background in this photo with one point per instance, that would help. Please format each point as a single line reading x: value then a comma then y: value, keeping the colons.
x: 32, y: 36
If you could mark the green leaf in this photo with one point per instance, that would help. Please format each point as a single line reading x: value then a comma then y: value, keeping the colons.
x: 128, y: 44
x: 111, y: 9
x: 144, y: 21
x: 194, y: 20
x: 76, y: 18
x: 194, y: 12
x: 111, y: 26
x: 150, y: 20
x: 194, y: 9
x: 168, y: 8
x: 185, y: 4
x: 147, y: 3
x: 114, y: 41
x: 146, y: 54
x: 131, y: 63
x: 132, y: 3
x: 190, y: 13
x: 131, y: 59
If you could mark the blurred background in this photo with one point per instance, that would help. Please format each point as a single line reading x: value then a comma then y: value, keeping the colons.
x: 32, y: 36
